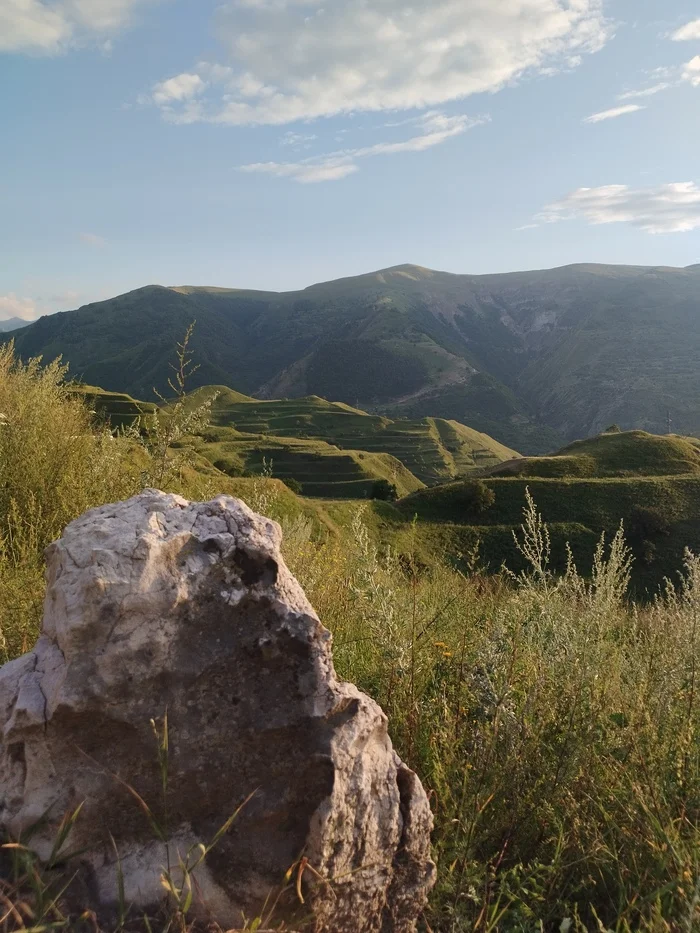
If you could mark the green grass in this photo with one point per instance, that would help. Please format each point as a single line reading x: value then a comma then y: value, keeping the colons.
x: 322, y: 469
x: 431, y: 448
x: 117, y: 409
x: 627, y: 453
x: 554, y: 723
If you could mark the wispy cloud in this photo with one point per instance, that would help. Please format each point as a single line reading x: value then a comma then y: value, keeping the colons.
x: 672, y: 208
x: 437, y: 128
x: 688, y: 32
x: 93, y: 239
x: 691, y: 71
x: 613, y: 113
x: 297, y: 140
x: 293, y: 60
x: 51, y: 27
x: 646, y: 91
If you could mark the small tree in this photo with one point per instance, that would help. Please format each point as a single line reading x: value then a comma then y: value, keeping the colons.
x: 384, y: 490
x: 293, y: 484
x: 476, y: 497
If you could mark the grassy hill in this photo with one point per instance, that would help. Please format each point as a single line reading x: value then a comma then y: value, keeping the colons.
x: 117, y: 409
x: 433, y: 449
x: 531, y: 358
x: 649, y: 482
x: 625, y: 453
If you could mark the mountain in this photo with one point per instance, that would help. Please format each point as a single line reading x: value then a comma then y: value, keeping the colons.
x: 12, y: 324
x: 533, y: 359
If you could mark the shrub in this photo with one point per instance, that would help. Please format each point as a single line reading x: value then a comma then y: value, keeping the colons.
x: 648, y: 522
x: 55, y: 463
x: 293, y: 484
x: 475, y: 497
x: 383, y: 489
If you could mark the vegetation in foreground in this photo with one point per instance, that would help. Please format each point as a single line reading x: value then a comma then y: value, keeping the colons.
x: 554, y: 723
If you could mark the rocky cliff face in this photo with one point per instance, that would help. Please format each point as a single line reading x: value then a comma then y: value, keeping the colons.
x: 158, y: 606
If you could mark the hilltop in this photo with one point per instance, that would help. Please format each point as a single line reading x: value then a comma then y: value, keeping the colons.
x: 533, y: 359
x: 651, y: 483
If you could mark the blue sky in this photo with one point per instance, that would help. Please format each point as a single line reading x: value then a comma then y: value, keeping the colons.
x: 275, y: 143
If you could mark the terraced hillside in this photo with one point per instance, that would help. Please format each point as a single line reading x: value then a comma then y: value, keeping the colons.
x: 650, y: 482
x: 323, y: 470
x: 116, y: 408
x: 433, y: 449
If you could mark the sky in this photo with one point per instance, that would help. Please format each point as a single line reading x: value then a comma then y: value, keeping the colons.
x: 272, y: 144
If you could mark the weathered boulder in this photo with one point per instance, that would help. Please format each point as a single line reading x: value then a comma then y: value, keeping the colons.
x: 158, y: 605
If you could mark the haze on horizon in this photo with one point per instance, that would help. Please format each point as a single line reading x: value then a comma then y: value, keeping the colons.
x: 272, y: 144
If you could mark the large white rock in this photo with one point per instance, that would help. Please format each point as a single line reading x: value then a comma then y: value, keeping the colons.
x: 159, y: 605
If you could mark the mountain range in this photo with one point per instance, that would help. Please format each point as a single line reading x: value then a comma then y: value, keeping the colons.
x: 12, y: 323
x: 534, y: 359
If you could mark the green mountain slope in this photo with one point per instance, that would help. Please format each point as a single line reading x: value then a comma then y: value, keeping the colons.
x: 530, y: 358
x: 433, y: 449
x: 628, y: 453
x: 651, y: 483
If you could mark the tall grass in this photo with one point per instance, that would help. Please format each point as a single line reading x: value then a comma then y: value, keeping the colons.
x: 55, y: 463
x: 554, y: 723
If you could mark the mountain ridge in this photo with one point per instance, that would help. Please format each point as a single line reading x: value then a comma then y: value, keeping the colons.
x: 531, y: 358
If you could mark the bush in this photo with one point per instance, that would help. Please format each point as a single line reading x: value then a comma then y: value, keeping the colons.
x: 476, y: 497
x: 554, y: 726
x: 384, y: 490
x: 293, y: 484
x: 55, y: 463
x: 647, y: 522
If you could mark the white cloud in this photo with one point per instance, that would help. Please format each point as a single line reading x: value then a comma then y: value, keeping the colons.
x: 304, y: 59
x: 673, y: 208
x: 92, y: 239
x: 12, y: 305
x: 180, y: 88
x: 691, y: 72
x: 29, y: 309
x: 50, y: 27
x: 647, y: 91
x: 612, y: 114
x: 297, y: 140
x: 689, y: 31
x: 437, y: 128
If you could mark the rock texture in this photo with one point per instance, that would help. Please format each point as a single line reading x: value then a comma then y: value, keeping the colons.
x: 158, y: 605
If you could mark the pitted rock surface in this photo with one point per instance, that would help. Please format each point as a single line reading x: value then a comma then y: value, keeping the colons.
x: 158, y: 605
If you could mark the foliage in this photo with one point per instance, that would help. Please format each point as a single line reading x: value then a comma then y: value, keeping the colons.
x: 294, y: 485
x: 54, y: 465
x: 555, y: 726
x: 179, y: 421
x: 476, y: 497
x: 383, y: 489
